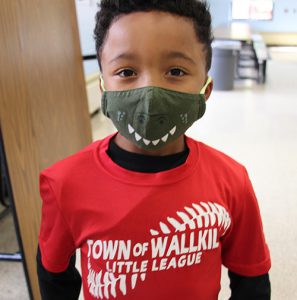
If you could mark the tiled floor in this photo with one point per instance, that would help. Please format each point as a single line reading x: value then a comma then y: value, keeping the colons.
x: 12, y: 279
x: 256, y: 125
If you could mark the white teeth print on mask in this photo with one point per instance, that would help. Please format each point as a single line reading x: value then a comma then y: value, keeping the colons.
x: 147, y: 142
x: 172, y: 131
x: 138, y: 137
x: 165, y: 137
x: 131, y: 129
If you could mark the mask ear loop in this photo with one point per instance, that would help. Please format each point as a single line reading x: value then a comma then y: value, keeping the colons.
x: 209, y: 80
x: 102, y: 82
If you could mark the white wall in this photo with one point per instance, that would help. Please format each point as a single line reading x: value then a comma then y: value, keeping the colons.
x: 85, y: 11
x: 284, y: 18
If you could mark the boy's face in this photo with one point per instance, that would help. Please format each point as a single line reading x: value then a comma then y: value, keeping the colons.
x: 153, y: 49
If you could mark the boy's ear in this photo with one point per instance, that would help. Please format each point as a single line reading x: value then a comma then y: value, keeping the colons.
x: 208, y: 90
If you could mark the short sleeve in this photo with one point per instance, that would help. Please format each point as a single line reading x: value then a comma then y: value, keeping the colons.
x: 55, y: 239
x: 244, y: 249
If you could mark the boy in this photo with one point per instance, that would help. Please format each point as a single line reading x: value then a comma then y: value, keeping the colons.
x: 154, y: 212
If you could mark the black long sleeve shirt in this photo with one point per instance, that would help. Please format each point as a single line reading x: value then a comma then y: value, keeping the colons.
x: 66, y: 285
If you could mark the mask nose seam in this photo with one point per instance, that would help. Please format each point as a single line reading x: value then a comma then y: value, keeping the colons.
x: 150, y: 96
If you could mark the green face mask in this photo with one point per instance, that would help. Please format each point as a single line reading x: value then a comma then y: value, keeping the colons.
x: 151, y: 117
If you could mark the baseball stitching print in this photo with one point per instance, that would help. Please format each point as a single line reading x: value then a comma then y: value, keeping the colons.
x: 178, y: 242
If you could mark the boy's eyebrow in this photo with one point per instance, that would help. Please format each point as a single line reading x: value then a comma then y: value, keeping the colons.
x: 168, y: 55
x: 177, y: 54
x: 124, y: 55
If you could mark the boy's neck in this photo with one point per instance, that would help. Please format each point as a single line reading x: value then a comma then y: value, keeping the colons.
x: 176, y: 146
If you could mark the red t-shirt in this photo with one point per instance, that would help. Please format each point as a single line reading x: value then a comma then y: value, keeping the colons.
x: 151, y: 235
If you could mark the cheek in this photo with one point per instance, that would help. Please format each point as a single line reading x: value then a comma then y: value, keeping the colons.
x: 110, y: 83
x: 193, y: 85
x: 114, y: 84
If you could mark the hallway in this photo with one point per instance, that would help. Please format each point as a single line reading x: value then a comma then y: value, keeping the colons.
x: 257, y: 126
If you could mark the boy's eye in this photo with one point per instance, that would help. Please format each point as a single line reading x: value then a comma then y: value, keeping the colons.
x: 176, y: 72
x: 126, y: 73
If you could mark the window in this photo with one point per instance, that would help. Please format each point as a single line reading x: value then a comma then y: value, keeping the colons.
x: 252, y: 9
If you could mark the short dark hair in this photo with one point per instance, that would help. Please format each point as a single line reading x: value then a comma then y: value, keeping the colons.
x: 197, y: 11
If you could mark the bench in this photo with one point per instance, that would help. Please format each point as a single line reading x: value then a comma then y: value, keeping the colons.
x: 262, y: 56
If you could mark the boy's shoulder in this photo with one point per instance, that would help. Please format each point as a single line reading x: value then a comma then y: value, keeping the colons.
x: 213, y: 153
x: 71, y: 164
x: 218, y: 161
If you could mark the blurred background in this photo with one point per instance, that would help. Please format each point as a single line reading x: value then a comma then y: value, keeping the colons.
x: 251, y: 116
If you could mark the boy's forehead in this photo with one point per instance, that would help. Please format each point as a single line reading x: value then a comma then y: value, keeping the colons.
x: 157, y: 33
